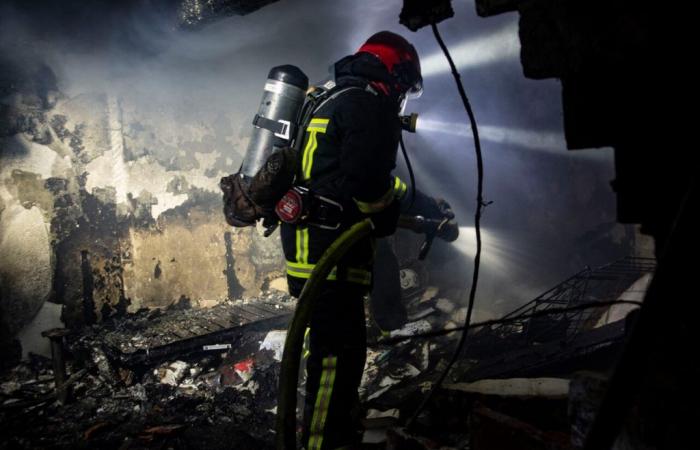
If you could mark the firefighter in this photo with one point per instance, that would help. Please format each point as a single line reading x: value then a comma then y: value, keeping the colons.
x: 348, y: 154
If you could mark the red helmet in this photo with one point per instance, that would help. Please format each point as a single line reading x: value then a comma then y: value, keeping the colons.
x: 399, y: 57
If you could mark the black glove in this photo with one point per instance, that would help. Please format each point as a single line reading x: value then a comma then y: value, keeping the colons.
x: 444, y: 208
x: 239, y: 210
x: 385, y: 221
x: 448, y: 232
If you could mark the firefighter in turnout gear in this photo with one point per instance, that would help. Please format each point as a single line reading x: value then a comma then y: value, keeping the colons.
x: 347, y: 155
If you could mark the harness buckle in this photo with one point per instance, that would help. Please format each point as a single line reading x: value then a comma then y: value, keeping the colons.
x: 301, y: 206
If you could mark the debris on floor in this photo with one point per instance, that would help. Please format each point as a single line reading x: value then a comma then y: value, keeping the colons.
x: 194, y: 378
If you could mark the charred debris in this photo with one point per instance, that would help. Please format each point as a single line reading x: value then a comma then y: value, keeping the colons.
x: 180, y: 377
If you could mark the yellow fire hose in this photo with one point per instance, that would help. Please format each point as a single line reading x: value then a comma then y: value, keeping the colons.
x: 289, y: 370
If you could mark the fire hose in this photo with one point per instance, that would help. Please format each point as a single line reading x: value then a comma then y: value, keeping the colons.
x: 289, y: 370
x: 291, y: 356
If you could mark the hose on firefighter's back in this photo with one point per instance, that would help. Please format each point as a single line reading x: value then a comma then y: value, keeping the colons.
x: 289, y: 370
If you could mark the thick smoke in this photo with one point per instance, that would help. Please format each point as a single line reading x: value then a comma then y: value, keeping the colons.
x: 545, y: 198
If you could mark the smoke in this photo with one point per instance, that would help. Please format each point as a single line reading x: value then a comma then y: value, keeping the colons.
x: 476, y: 53
x: 544, y: 197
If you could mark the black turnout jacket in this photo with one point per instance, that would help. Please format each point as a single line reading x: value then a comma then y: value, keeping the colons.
x: 348, y: 154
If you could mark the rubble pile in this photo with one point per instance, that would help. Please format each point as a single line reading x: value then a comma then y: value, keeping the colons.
x: 217, y: 398
x: 188, y: 378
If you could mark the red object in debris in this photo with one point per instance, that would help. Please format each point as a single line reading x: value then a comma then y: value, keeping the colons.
x: 244, y: 366
x: 237, y: 373
x: 244, y: 369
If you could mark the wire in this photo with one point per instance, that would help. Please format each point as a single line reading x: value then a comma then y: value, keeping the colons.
x: 480, y: 204
x: 506, y: 320
x: 410, y: 171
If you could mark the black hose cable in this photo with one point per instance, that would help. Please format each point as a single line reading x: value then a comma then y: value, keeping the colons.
x: 507, y: 320
x: 410, y: 171
x: 480, y: 204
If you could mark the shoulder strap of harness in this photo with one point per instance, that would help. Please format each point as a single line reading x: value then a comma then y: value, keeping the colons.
x: 316, y: 100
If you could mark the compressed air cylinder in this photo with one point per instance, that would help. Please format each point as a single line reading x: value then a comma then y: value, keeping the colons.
x: 285, y: 90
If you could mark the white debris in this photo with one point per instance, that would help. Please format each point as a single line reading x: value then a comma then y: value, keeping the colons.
x: 425, y: 356
x: 409, y: 279
x: 370, y: 372
x: 172, y: 373
x: 407, y: 371
x: 188, y: 386
x: 460, y: 315
x: 251, y: 386
x: 10, y: 387
x: 445, y: 305
x: 429, y: 293
x: 216, y: 347
x: 274, y: 340
x: 388, y: 381
x: 412, y: 328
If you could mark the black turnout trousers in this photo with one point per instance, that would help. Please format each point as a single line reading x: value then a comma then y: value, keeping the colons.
x: 337, y: 344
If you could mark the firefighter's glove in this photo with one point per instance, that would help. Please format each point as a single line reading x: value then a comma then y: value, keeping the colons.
x: 445, y: 208
x: 385, y: 221
x: 239, y: 209
x: 449, y: 230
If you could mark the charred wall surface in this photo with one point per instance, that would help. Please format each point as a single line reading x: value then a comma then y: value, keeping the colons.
x: 106, y: 208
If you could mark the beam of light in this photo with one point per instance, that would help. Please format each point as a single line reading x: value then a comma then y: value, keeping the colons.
x: 500, y: 45
x: 497, y: 254
x: 547, y: 141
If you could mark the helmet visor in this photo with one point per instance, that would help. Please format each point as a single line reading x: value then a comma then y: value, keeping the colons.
x: 415, y: 91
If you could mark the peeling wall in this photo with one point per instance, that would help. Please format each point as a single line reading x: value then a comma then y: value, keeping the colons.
x: 106, y: 207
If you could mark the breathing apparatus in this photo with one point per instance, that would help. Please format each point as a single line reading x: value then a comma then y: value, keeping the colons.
x: 275, y: 122
x: 269, y: 163
x: 263, y: 187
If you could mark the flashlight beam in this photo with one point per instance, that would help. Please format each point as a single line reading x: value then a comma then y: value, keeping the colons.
x: 498, y: 46
x: 534, y: 140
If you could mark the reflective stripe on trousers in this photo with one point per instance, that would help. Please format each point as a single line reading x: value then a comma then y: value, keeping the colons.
x: 323, y: 401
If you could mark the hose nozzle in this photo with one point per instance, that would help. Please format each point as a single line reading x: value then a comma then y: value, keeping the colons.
x: 409, y: 122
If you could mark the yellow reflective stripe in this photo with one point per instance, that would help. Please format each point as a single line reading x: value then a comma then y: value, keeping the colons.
x: 321, y: 127
x: 305, y: 245
x: 354, y: 275
x: 309, y: 149
x: 317, y: 125
x: 400, y: 187
x: 323, y: 401
x: 310, y: 155
x: 378, y: 205
x: 307, y: 343
x: 302, y: 245
x: 359, y: 276
x: 397, y: 190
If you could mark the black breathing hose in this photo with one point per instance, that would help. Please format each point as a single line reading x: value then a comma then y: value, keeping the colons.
x: 480, y: 204
x: 410, y: 171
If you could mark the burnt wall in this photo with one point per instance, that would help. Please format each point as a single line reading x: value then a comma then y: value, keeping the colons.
x: 106, y: 207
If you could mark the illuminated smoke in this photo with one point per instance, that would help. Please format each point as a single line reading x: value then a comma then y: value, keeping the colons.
x: 476, y: 52
x: 536, y: 140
